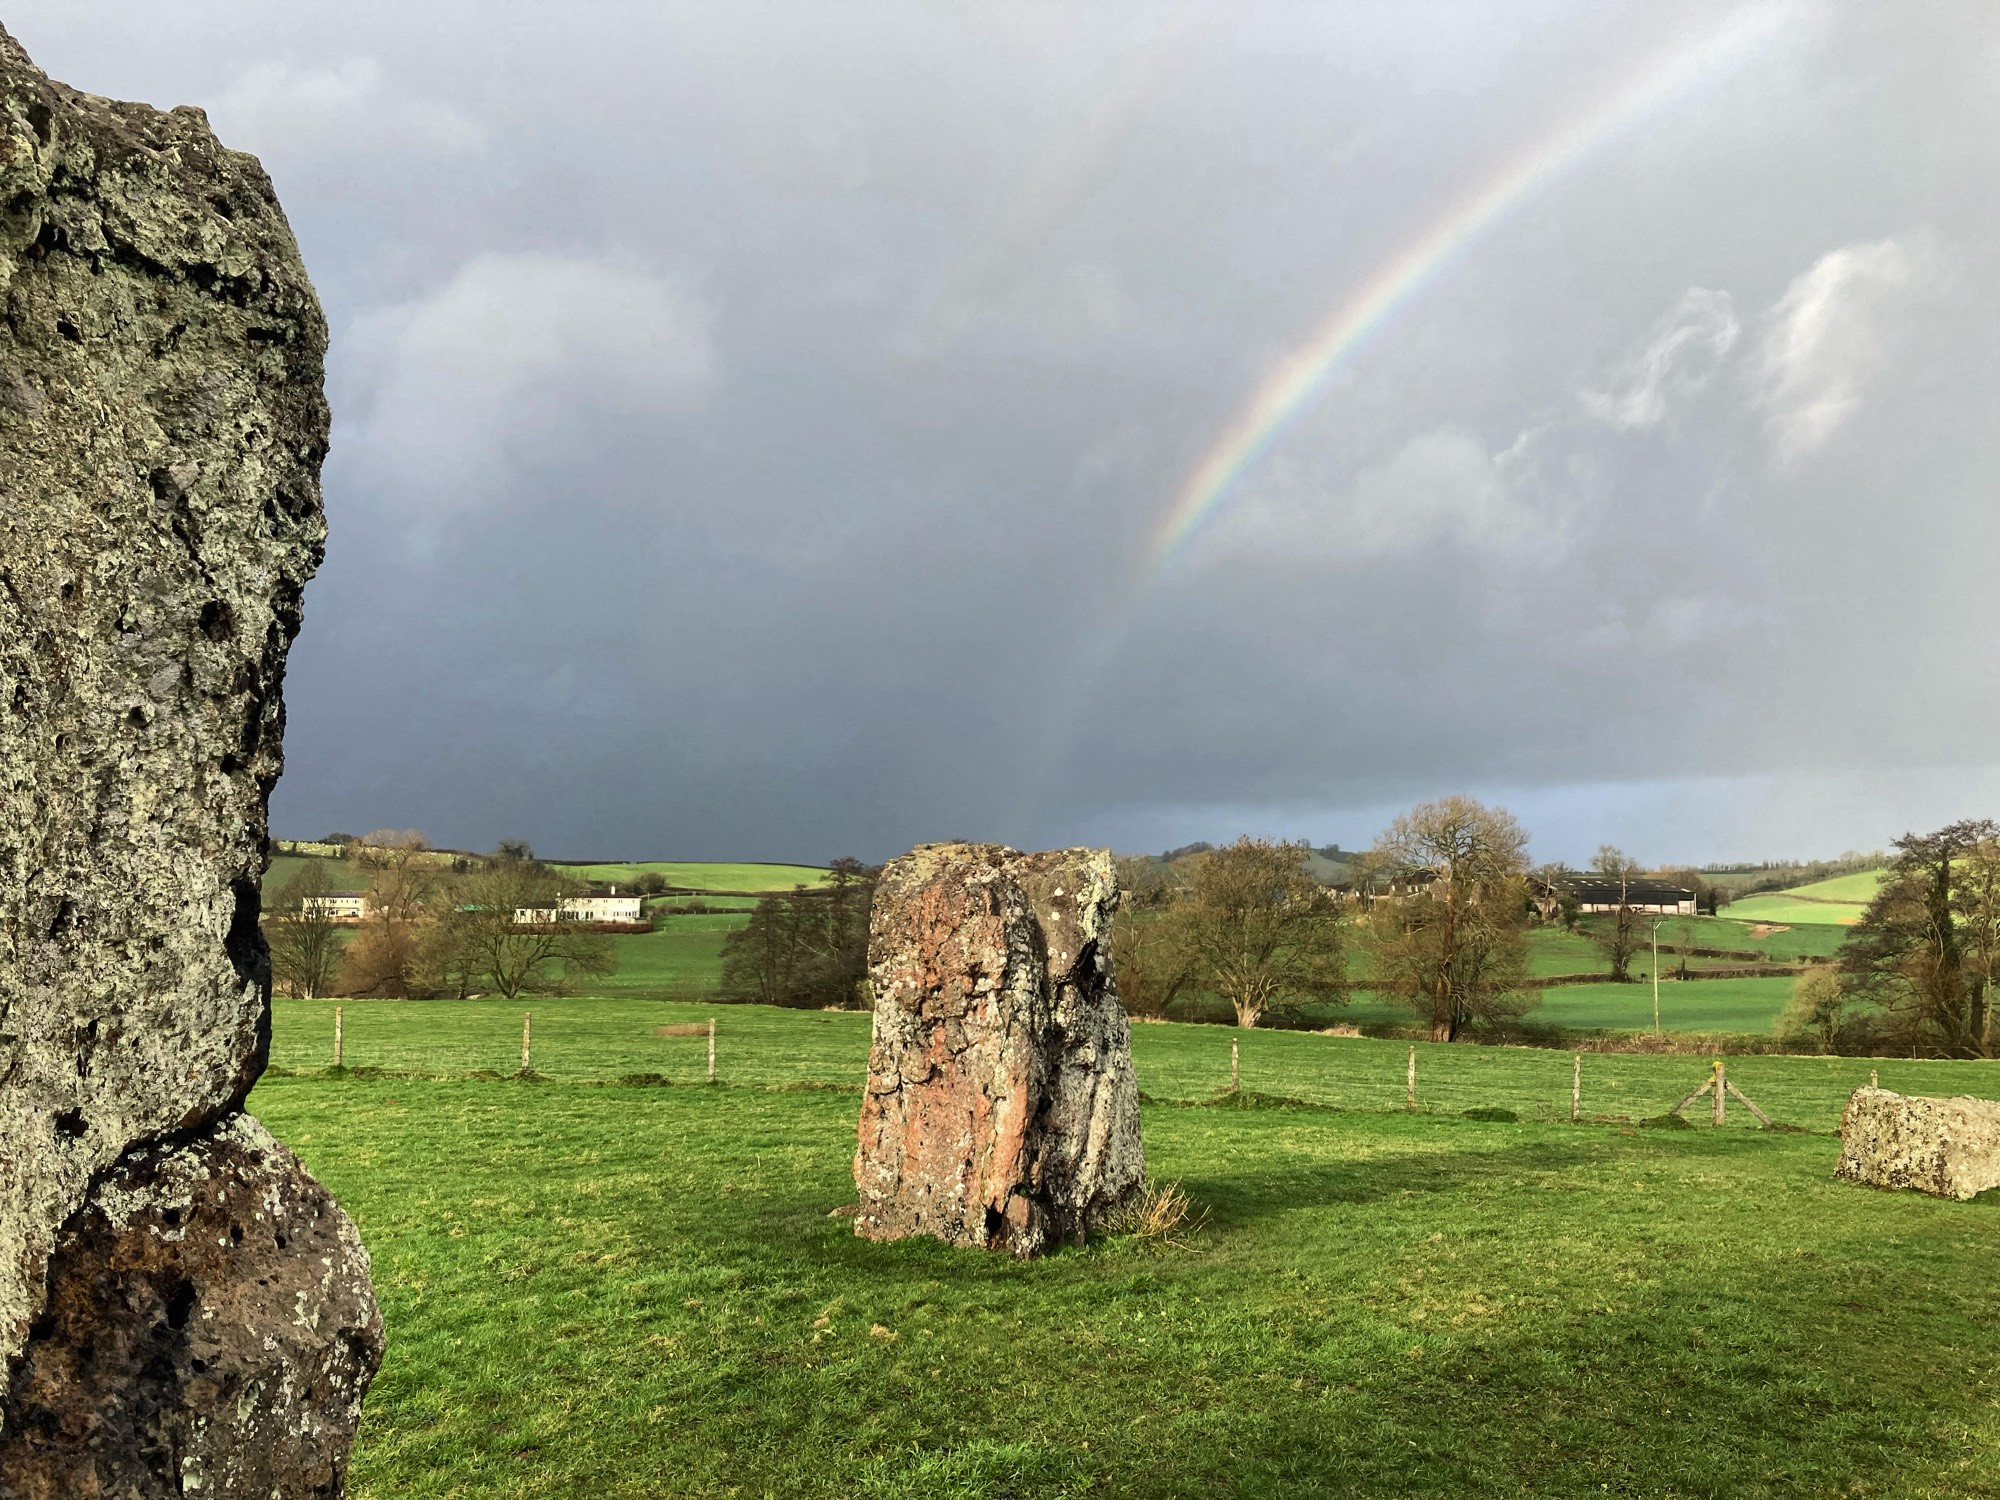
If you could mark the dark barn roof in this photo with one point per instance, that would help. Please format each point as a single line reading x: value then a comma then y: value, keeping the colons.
x: 1597, y: 892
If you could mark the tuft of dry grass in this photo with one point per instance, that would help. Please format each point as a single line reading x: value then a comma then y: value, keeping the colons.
x: 682, y: 1028
x: 1167, y: 1217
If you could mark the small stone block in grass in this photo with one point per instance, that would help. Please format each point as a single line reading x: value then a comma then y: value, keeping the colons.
x: 1949, y: 1148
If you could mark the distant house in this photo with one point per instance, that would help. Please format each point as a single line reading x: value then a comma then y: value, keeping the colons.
x: 336, y: 906
x: 609, y: 908
x: 594, y: 908
x: 1409, y: 883
x: 1655, y: 897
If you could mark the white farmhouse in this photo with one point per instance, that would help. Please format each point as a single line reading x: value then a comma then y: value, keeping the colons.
x: 611, y: 908
x: 336, y: 906
x: 606, y: 908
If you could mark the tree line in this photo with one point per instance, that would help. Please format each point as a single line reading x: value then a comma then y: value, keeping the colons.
x: 807, y: 947
x: 1250, y: 923
x: 1915, y: 974
x: 434, y: 928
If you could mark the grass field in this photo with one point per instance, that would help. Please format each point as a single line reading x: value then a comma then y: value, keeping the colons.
x: 625, y: 1291
x: 603, y: 1040
x: 1838, y: 901
x: 1790, y: 910
x: 1859, y: 887
x: 1707, y: 1005
x: 680, y: 955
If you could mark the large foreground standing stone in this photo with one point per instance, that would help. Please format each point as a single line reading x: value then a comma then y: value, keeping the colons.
x: 162, y: 426
x: 1947, y: 1147
x: 1002, y: 1109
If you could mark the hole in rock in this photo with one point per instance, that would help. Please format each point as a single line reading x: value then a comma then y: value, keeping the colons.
x: 180, y: 1303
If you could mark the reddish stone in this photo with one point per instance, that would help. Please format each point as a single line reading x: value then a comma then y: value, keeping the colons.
x: 1002, y: 1110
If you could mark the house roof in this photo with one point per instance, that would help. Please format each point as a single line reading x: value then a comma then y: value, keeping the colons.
x: 1596, y: 891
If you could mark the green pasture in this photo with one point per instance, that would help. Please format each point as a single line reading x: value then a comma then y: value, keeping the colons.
x: 1816, y: 939
x: 604, y: 1040
x: 626, y: 1291
x: 1859, y: 888
x: 1702, y: 1005
x: 680, y: 956
x: 284, y: 868
x: 702, y: 876
x: 1790, y: 910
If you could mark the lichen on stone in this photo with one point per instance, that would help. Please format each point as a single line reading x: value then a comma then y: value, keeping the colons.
x: 1001, y: 1109
x: 162, y: 426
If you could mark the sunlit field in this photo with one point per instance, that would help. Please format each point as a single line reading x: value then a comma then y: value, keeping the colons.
x: 641, y: 1289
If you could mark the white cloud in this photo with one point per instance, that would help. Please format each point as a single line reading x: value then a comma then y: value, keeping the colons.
x: 1685, y: 350
x: 1827, y: 340
x: 276, y: 107
x: 511, y: 349
x: 1442, y: 486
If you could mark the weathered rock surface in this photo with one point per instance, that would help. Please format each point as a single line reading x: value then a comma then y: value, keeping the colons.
x: 1946, y: 1147
x: 162, y: 426
x: 1002, y: 1109
x: 209, y: 1321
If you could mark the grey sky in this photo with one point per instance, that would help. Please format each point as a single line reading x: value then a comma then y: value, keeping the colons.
x: 752, y: 422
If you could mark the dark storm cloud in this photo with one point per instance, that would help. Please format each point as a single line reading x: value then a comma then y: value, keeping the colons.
x: 752, y: 422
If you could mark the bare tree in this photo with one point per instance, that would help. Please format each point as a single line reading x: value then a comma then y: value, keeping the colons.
x: 303, y: 936
x: 510, y: 933
x: 1151, y: 969
x: 805, y: 948
x: 384, y: 958
x: 1456, y: 949
x: 1253, y: 923
x: 402, y: 876
x: 1143, y: 884
x: 1621, y: 939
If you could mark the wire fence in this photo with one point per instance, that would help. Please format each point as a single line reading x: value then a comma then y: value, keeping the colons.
x: 659, y: 1042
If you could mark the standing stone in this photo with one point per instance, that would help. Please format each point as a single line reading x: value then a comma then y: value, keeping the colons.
x: 1949, y: 1148
x: 162, y: 426
x: 1002, y: 1110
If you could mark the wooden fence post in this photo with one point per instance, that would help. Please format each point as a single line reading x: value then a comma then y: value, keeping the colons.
x: 1872, y: 1075
x: 527, y: 1034
x: 337, y: 1038
x: 1235, y: 1068
x: 1576, y: 1088
x: 1744, y: 1100
x: 1410, y: 1086
x: 711, y: 1049
x: 1720, y: 1091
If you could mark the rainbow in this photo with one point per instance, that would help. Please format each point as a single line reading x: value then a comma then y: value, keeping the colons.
x: 1402, y: 279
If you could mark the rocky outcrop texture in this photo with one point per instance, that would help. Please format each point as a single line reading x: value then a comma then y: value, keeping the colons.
x: 161, y: 431
x: 1002, y: 1110
x: 209, y: 1319
x: 1949, y: 1148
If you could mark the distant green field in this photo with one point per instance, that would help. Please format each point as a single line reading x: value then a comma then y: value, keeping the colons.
x: 681, y: 954
x: 1741, y: 1005
x: 700, y: 876
x: 762, y: 1046
x: 285, y: 867
x: 1810, y: 940
x: 1835, y: 902
x: 1792, y: 912
x: 1858, y: 887
x: 1747, y: 1006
